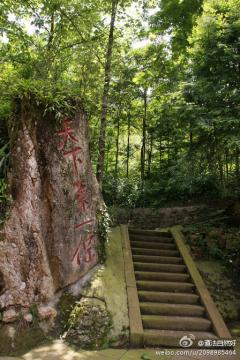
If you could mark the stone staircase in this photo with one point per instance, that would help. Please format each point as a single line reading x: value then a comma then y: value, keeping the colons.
x: 168, y: 297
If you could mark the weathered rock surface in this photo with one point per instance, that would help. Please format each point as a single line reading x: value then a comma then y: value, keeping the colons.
x: 112, y: 307
x: 49, y: 239
x: 9, y: 316
x: 28, y: 318
x: 46, y: 312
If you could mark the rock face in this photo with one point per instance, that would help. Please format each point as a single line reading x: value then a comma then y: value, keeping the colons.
x: 9, y: 316
x: 49, y: 239
x: 101, y: 316
x: 46, y: 312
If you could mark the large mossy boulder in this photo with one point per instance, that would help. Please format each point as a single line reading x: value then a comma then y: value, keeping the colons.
x: 90, y: 324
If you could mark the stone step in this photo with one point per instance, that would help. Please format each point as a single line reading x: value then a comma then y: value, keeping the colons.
x: 158, y: 239
x: 149, y: 232
x: 153, y: 245
x: 172, y: 304
x: 155, y: 252
x: 168, y: 297
x: 171, y: 309
x: 171, y: 268
x: 175, y: 323
x: 175, y: 287
x: 158, y: 259
x: 161, y: 276
x: 171, y: 338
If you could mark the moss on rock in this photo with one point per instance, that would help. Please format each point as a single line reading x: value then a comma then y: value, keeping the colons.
x: 89, y: 325
x: 221, y: 288
x: 19, y: 337
x: 109, y: 285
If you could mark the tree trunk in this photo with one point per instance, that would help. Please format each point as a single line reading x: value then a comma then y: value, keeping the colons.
x: 168, y: 148
x: 128, y: 144
x: 220, y: 167
x: 49, y: 238
x: 150, y: 155
x: 143, y: 149
x: 237, y: 172
x: 227, y: 163
x: 107, y: 78
x: 117, y: 146
x: 160, y: 153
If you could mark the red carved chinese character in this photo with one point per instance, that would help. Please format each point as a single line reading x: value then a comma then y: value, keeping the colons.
x: 81, y: 196
x: 67, y: 134
x: 76, y: 260
x: 88, y: 249
x: 79, y: 226
x: 73, y: 153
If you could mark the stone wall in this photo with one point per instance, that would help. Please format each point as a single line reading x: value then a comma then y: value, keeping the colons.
x: 147, y: 218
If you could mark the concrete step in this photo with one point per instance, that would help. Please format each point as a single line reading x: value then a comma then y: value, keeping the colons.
x: 168, y: 297
x: 158, y: 259
x: 171, y: 309
x: 151, y: 238
x: 155, y: 252
x: 161, y: 276
x: 171, y: 338
x: 171, y: 268
x: 153, y: 245
x: 175, y: 323
x: 175, y: 287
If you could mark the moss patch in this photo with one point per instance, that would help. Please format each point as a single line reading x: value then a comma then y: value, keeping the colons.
x: 19, y: 337
x: 109, y: 285
x: 89, y: 326
x: 221, y: 288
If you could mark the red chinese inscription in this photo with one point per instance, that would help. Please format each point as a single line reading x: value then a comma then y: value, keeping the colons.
x: 74, y: 155
x: 81, y: 195
x: 67, y: 134
x: 83, y: 224
x: 76, y: 260
x: 88, y: 249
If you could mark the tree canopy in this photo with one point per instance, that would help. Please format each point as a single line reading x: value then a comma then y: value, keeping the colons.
x: 172, y: 116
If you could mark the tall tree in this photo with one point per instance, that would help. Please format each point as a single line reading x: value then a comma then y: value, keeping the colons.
x: 107, y: 78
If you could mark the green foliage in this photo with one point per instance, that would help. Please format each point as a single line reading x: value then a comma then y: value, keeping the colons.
x: 4, y: 191
x: 124, y: 192
x: 34, y: 312
x: 103, y: 227
x: 192, y: 148
x: 232, y: 256
x: 65, y: 306
x: 182, y: 80
x: 177, y: 18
